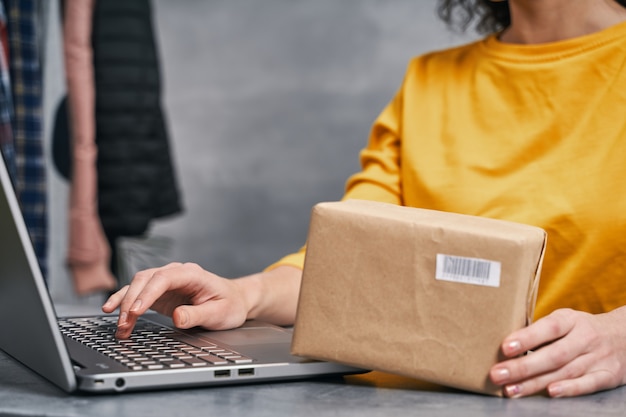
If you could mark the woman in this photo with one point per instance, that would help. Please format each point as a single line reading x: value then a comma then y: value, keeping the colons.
x: 524, y: 125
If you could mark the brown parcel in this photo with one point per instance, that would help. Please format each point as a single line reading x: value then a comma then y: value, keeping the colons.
x: 370, y: 296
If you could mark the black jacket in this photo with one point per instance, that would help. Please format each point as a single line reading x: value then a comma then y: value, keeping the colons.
x: 136, y: 180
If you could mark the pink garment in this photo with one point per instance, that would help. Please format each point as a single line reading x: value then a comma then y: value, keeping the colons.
x: 88, y: 253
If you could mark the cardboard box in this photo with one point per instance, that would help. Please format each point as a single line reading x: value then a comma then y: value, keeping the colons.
x: 420, y: 293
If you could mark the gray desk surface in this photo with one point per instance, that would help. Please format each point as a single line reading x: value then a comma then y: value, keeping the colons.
x: 24, y: 393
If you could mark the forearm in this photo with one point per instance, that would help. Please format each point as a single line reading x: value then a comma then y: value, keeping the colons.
x: 272, y: 296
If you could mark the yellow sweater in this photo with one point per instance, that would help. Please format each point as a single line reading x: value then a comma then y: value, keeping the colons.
x: 529, y: 133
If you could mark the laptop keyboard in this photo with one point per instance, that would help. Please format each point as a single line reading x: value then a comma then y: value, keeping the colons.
x: 151, y: 346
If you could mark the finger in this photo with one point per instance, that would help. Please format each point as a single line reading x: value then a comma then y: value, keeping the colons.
x: 114, y: 300
x: 576, y: 378
x: 125, y: 321
x: 212, y: 314
x: 573, y: 369
x: 189, y: 278
x: 543, y: 331
x: 542, y: 365
x: 586, y: 384
x: 547, y: 359
x: 139, y: 282
x: 130, y: 308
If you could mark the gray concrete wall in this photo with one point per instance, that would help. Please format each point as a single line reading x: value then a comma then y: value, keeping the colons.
x: 268, y: 104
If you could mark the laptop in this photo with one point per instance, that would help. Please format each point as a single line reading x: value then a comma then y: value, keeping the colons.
x: 80, y: 354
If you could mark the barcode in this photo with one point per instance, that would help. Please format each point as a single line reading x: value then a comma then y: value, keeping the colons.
x: 466, y: 267
x: 468, y: 270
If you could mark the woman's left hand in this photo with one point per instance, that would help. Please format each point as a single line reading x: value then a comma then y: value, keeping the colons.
x: 571, y: 353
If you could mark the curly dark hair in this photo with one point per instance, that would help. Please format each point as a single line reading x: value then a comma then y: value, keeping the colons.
x: 488, y: 16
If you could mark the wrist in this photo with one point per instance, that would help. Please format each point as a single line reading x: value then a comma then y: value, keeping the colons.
x: 250, y: 290
x: 272, y: 295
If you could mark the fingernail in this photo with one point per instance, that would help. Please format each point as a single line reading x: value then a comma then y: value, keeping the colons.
x: 183, y: 317
x: 513, y: 347
x: 555, y: 391
x: 136, y: 306
x: 502, y: 375
x: 513, y: 391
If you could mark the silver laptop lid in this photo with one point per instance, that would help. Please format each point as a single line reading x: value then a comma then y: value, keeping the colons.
x: 29, y: 330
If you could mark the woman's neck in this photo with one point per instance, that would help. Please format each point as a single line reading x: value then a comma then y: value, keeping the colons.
x: 541, y: 21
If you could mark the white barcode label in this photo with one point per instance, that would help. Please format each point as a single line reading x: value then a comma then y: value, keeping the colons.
x: 468, y: 270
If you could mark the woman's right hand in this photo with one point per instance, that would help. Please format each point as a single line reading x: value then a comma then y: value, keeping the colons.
x: 188, y: 294
x: 192, y: 297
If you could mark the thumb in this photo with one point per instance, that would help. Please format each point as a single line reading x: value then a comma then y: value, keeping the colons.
x: 211, y: 315
x: 181, y: 319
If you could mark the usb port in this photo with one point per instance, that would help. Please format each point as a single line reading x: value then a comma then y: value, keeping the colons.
x: 245, y: 372
x: 222, y: 374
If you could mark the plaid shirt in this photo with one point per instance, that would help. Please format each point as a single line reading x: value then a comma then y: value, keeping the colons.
x: 26, y: 85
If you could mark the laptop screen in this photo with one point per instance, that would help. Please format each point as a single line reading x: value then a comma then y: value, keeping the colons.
x: 29, y: 330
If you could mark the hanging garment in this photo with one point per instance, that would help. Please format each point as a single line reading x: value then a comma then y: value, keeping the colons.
x: 136, y: 181
x: 88, y: 253
x: 26, y: 86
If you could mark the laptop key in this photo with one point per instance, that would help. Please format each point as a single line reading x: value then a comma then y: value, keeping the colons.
x: 175, y: 365
x: 194, y: 362
x: 213, y: 360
